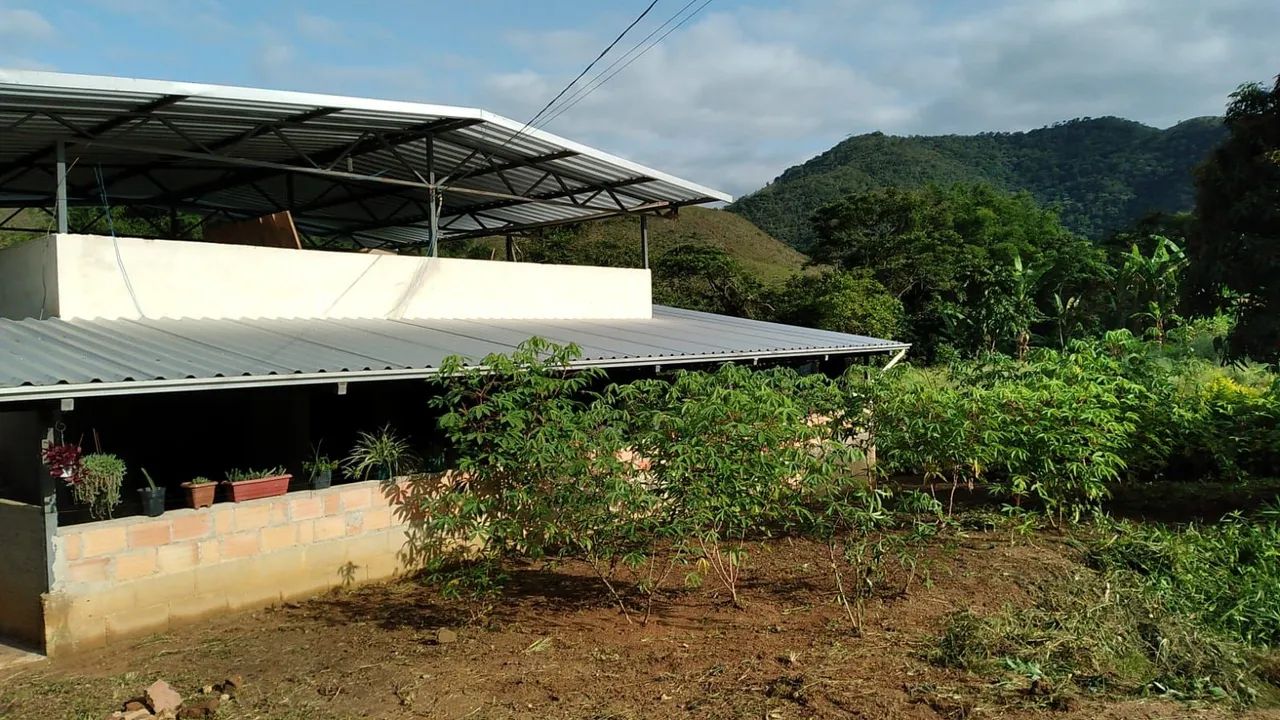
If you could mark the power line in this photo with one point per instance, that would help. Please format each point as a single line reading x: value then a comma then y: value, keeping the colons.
x: 587, y: 69
x: 577, y: 93
x: 458, y: 170
x: 590, y: 88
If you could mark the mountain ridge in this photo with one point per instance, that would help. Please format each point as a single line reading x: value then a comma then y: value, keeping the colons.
x: 1102, y: 173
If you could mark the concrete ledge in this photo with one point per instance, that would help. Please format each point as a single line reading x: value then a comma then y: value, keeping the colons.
x: 90, y: 276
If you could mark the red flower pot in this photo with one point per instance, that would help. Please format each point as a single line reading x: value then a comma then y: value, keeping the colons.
x: 255, y: 488
x: 201, y: 495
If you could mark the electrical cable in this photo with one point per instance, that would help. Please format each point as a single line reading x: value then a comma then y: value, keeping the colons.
x: 587, y: 69
x: 577, y: 93
x: 565, y: 107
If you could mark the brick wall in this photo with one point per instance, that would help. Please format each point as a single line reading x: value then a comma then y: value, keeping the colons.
x: 125, y: 577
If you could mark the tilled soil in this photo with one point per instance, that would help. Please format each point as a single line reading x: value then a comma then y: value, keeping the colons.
x: 556, y: 646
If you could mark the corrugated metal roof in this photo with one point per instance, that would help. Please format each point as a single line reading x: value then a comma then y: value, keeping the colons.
x: 56, y: 358
x: 137, y: 131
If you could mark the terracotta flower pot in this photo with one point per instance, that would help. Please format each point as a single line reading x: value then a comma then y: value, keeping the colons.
x: 201, y: 495
x: 255, y: 488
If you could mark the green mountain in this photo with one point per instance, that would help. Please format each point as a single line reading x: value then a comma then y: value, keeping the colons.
x: 1102, y: 173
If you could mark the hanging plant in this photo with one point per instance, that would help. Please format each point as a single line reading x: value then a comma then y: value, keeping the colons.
x: 63, y: 460
x: 101, y: 475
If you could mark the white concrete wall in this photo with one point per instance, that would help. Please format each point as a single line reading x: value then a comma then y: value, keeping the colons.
x: 29, y: 280
x: 98, y: 277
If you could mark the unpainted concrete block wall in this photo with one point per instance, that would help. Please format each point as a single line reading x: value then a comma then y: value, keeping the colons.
x: 140, y: 575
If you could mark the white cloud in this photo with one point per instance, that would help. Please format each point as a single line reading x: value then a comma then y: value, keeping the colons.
x: 22, y: 33
x: 715, y: 103
x: 735, y: 97
x: 18, y: 25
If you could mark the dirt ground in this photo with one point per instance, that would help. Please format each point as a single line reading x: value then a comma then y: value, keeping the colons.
x: 556, y: 647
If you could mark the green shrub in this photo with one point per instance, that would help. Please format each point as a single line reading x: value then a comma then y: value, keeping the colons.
x: 1063, y: 427
x: 637, y: 478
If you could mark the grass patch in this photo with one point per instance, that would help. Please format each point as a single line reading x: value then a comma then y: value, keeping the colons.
x: 1186, y: 614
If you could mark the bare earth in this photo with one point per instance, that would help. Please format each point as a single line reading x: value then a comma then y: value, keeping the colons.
x: 557, y: 648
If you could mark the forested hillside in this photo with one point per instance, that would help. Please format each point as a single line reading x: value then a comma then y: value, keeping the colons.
x: 617, y: 243
x: 1102, y: 173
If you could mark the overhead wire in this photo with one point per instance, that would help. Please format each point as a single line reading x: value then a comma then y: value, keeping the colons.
x: 596, y: 81
x: 587, y: 69
x: 608, y: 48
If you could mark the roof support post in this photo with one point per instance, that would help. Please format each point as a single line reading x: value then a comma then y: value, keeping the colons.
x: 644, y: 241
x: 60, y: 158
x: 511, y: 248
x: 433, y: 205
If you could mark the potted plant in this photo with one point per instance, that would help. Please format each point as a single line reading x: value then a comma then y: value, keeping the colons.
x: 200, y: 491
x: 152, y: 496
x: 253, y: 484
x: 319, y: 470
x: 379, y: 455
x: 98, y: 483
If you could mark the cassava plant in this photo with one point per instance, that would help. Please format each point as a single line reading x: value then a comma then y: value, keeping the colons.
x: 737, y: 455
x: 540, y: 471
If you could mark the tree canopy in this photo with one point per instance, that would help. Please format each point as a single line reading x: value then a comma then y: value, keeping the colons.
x: 1235, y: 249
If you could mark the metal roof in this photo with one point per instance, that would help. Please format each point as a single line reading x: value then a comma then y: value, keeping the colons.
x: 56, y: 358
x: 352, y: 168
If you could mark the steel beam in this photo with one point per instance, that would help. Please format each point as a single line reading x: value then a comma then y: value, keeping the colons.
x: 332, y: 155
x: 34, y: 156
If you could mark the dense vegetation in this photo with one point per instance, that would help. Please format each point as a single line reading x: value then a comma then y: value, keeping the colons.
x: 1102, y: 174
x: 672, y: 481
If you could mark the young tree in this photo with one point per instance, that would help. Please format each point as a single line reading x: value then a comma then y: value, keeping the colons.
x: 703, y: 277
x: 950, y: 255
x: 850, y: 302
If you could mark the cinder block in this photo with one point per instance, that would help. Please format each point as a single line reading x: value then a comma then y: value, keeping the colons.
x: 354, y: 524
x: 306, y: 508
x: 103, y: 541
x: 279, y: 511
x: 190, y: 527
x: 88, y: 570
x: 69, y: 546
x: 134, y: 564
x: 224, y: 519
x: 252, y: 516
x: 173, y: 587
x: 332, y: 503
x: 177, y: 557
x: 356, y: 498
x: 378, y: 519
x: 149, y: 534
x: 241, y: 544
x: 326, y: 560
x: 277, y: 537
x: 196, y: 608
x: 145, y: 620
x: 220, y: 579
x: 328, y: 528
x: 210, y: 552
x: 306, y: 532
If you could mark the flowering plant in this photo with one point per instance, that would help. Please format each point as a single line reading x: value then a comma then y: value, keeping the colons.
x: 63, y: 460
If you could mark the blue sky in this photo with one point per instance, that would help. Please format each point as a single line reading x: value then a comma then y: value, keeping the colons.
x: 741, y: 92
